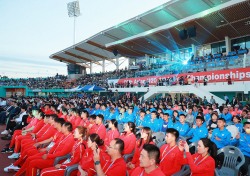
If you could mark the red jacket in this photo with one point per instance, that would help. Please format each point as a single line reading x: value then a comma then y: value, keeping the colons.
x: 171, y: 158
x: 200, y: 166
x: 101, y: 131
x: 129, y: 142
x: 84, y: 123
x: 137, y: 153
x: 117, y: 168
x: 141, y: 172
x: 111, y: 134
x: 38, y: 126
x: 87, y: 162
x: 76, y: 153
x: 51, y: 131
x: 63, y: 147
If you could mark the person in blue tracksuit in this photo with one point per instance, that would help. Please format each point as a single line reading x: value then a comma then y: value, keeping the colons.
x: 104, y: 111
x: 237, y: 123
x: 130, y: 116
x: 141, y: 119
x: 166, y: 123
x: 153, y: 123
x: 208, y: 116
x: 242, y: 140
x: 221, y: 136
x: 97, y: 109
x: 169, y: 111
x: 112, y: 114
x: 182, y: 127
x: 226, y: 115
x: 175, y: 116
x: 198, y: 131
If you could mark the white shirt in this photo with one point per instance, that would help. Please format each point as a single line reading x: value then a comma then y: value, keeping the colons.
x: 3, y: 103
x: 19, y: 119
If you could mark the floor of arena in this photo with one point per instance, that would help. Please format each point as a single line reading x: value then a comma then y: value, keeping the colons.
x: 4, y: 161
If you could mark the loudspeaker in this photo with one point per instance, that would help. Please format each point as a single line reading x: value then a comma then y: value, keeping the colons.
x: 183, y: 34
x: 191, y: 31
x: 115, y: 52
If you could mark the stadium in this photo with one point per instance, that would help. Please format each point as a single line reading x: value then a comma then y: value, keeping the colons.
x: 179, y: 107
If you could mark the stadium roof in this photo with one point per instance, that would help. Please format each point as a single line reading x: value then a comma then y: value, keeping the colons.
x: 157, y: 30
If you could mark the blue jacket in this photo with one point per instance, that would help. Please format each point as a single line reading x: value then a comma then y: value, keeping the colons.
x: 182, y: 128
x: 197, y: 133
x: 128, y: 118
x: 228, y: 117
x: 154, y: 125
x: 224, y: 135
x: 140, y: 122
x: 243, y: 143
x: 240, y: 127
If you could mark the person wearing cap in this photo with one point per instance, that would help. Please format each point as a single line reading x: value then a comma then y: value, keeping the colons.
x: 226, y: 115
x: 242, y: 141
x: 221, y: 136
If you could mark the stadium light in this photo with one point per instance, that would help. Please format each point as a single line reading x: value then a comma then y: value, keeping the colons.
x: 74, y: 11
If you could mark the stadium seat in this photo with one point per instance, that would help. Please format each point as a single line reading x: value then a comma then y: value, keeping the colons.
x: 128, y: 156
x: 231, y: 164
x: 159, y: 138
x: 60, y: 158
x: 70, y: 169
x: 185, y: 170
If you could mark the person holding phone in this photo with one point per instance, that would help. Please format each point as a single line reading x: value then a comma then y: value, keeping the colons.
x: 116, y: 164
x: 203, y: 162
x: 86, y: 165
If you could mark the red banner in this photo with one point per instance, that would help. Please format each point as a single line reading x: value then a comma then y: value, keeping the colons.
x: 239, y: 74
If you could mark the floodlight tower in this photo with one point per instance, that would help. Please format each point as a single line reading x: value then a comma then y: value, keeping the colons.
x: 74, y: 11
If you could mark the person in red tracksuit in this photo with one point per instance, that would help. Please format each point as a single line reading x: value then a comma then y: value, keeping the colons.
x: 35, y: 152
x: 116, y: 164
x: 47, y: 109
x: 24, y: 131
x: 113, y: 132
x: 29, y: 137
x: 92, y: 125
x: 171, y: 155
x: 100, y: 128
x: 149, y: 160
x: 203, y: 162
x: 129, y: 137
x: 62, y: 148
x: 84, y: 122
x: 64, y: 113
x: 77, y: 120
x: 146, y: 138
x: 76, y: 154
x: 50, y: 131
x: 86, y: 165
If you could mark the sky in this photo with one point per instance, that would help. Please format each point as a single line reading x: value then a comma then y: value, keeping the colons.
x: 32, y: 30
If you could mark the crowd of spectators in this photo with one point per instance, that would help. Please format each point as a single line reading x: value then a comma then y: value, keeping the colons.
x: 114, y: 122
